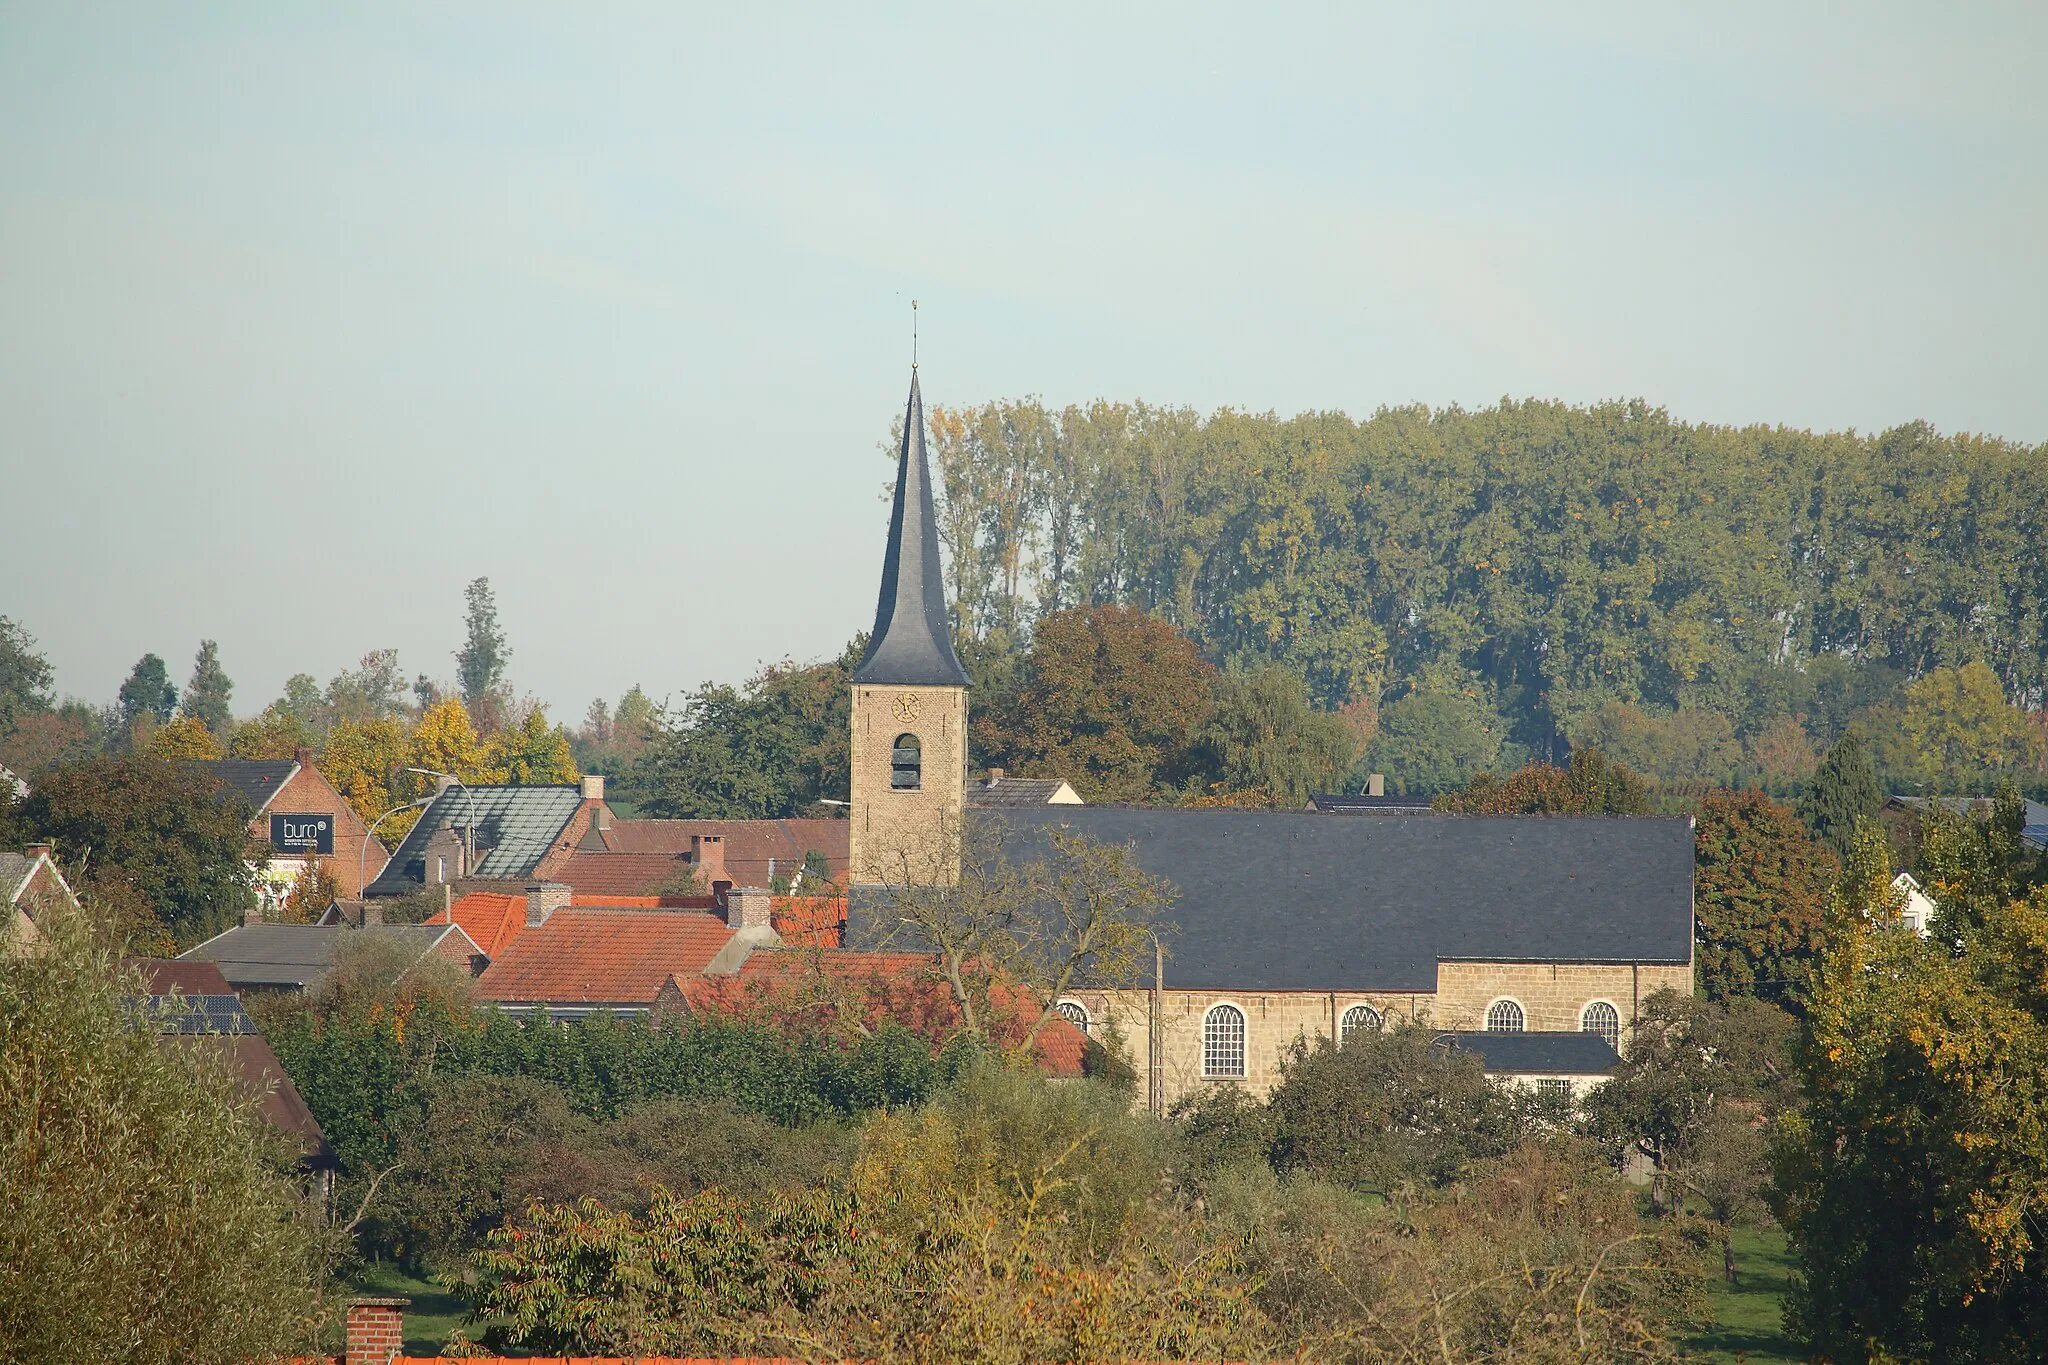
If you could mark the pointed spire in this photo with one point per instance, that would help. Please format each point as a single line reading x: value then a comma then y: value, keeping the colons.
x: 912, y: 642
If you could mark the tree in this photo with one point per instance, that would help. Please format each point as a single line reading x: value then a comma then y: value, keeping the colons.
x: 1843, y: 791
x: 148, y: 692
x: 373, y: 690
x: 1782, y: 754
x: 158, y: 826
x: 24, y: 677
x: 1262, y: 736
x: 1433, y: 740
x: 1591, y: 786
x: 1692, y: 744
x: 148, y: 1216
x: 1960, y: 728
x: 1024, y: 924
x: 531, y: 753
x: 1971, y: 865
x: 446, y: 742
x: 186, y: 737
x: 1915, y: 1176
x: 1110, y: 701
x: 480, y: 663
x: 1384, y: 1109
x: 206, y: 696
x: 768, y: 750
x: 1760, y: 889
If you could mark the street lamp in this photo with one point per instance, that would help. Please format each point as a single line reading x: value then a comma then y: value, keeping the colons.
x: 363, y: 854
x: 469, y: 834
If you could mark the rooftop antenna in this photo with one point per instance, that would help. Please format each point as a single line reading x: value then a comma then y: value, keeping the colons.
x: 913, y: 334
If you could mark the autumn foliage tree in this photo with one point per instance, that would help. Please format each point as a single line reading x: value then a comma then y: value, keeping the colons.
x: 1592, y: 785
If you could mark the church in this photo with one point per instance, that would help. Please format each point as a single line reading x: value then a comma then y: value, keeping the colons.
x: 1285, y: 925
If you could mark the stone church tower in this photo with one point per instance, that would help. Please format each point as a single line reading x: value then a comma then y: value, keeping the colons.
x: 909, y: 699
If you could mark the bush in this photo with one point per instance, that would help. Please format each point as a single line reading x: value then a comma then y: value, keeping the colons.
x: 143, y: 1196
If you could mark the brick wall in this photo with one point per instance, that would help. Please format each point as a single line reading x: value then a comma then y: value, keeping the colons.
x: 374, y: 1331
x: 309, y: 793
x: 894, y: 831
x: 1552, y: 996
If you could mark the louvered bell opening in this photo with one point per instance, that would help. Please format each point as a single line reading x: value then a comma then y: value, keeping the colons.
x: 906, y: 764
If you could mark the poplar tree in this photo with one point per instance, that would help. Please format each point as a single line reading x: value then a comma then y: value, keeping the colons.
x: 206, y: 696
x: 480, y: 663
x: 148, y: 692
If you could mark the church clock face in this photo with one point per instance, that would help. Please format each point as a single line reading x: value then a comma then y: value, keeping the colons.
x: 905, y: 708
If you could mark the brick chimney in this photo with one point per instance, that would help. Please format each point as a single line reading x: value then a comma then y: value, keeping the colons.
x: 375, y: 1331
x: 995, y: 778
x: 252, y: 916
x: 592, y: 786
x: 750, y: 908
x: 707, y: 855
x: 35, y: 851
x: 303, y: 757
x: 371, y: 913
x: 542, y: 900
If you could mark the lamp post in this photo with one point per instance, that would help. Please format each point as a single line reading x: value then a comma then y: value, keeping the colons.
x: 363, y: 854
x: 469, y: 834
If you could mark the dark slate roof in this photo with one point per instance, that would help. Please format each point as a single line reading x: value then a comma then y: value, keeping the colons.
x: 1330, y: 804
x: 515, y: 828
x: 1537, y: 1054
x: 912, y: 641
x: 1292, y: 900
x: 293, y: 956
x: 254, y: 780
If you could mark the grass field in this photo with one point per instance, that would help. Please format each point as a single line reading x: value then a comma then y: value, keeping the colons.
x: 433, y: 1314
x: 1747, y: 1325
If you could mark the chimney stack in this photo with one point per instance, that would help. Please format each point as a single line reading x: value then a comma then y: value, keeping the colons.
x: 36, y: 851
x: 592, y: 786
x: 995, y: 777
x: 303, y: 757
x: 372, y: 913
x: 375, y: 1332
x: 1376, y: 784
x: 542, y: 900
x: 707, y: 855
x: 252, y: 917
x: 750, y: 910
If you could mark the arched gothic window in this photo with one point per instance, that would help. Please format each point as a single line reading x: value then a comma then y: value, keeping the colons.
x: 906, y: 764
x: 1504, y: 1016
x: 1358, y: 1019
x: 1603, y: 1019
x: 1223, y: 1042
x: 1074, y: 1012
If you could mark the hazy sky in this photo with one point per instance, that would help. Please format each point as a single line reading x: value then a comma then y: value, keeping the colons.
x: 310, y: 314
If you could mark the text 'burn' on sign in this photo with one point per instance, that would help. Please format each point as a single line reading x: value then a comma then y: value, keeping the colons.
x: 302, y: 833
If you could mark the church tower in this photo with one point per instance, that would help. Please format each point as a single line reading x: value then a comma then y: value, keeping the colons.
x: 909, y: 699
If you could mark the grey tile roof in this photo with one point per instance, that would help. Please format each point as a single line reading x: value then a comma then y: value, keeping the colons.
x: 912, y: 641
x: 14, y: 870
x: 1537, y: 1054
x: 253, y: 780
x: 294, y: 956
x: 1013, y: 791
x: 515, y: 828
x: 2034, y: 827
x: 1292, y: 900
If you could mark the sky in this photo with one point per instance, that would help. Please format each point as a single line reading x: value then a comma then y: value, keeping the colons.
x: 310, y: 314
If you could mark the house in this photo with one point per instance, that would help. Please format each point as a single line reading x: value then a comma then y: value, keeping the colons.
x: 1917, y: 912
x: 299, y: 816
x: 1560, y: 1065
x: 998, y: 791
x: 493, y: 833
x: 492, y: 919
x: 27, y: 879
x: 2033, y: 817
x: 294, y: 957
x: 640, y: 857
x: 1286, y: 925
x: 573, y: 960
x: 190, y: 1004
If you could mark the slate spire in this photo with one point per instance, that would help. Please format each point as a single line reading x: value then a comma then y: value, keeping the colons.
x: 912, y: 643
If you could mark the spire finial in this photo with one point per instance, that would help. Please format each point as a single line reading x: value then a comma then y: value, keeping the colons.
x: 913, y: 334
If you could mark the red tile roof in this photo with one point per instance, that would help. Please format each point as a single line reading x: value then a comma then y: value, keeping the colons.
x: 749, y: 844
x: 494, y: 918
x: 621, y: 874
x: 584, y: 955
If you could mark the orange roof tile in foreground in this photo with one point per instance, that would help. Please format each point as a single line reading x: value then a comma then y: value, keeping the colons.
x: 590, y: 956
x: 493, y: 918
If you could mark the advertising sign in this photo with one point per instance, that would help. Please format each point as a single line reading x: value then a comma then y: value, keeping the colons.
x: 302, y: 833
